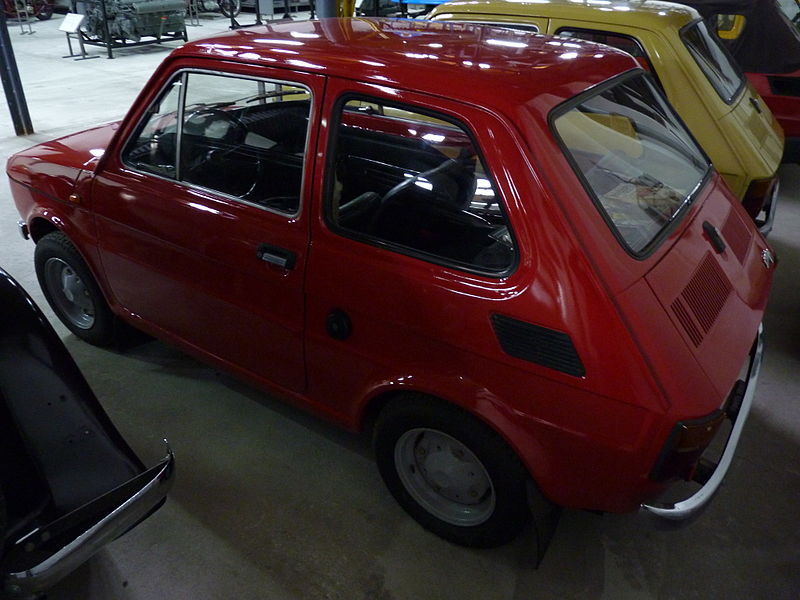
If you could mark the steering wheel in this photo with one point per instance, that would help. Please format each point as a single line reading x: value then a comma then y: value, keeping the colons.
x: 218, y: 134
x: 215, y: 124
x: 447, y: 167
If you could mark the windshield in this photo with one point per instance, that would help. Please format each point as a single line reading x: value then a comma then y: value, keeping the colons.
x: 635, y: 158
x: 713, y: 60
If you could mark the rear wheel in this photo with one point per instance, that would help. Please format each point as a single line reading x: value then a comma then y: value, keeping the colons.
x: 72, y: 291
x: 451, y: 472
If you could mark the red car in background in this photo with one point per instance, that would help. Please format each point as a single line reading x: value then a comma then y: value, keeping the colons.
x: 500, y: 253
x: 766, y: 45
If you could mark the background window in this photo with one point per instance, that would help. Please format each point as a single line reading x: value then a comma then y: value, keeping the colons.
x: 416, y: 182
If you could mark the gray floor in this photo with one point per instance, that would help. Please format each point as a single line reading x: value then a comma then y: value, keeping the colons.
x: 271, y: 503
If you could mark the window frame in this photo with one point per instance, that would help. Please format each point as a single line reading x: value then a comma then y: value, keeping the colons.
x: 330, y: 176
x: 627, y: 36
x: 713, y: 81
x: 183, y: 74
x: 655, y: 243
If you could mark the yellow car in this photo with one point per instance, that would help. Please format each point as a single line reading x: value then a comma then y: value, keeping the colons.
x: 724, y: 112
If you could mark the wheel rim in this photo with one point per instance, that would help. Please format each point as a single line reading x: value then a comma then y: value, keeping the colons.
x: 444, y: 477
x: 69, y: 293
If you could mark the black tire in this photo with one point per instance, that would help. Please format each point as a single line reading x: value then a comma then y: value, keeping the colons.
x: 42, y: 9
x: 421, y: 443
x: 72, y: 291
x: 230, y: 8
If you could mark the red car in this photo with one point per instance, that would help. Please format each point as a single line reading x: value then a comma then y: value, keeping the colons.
x: 500, y: 252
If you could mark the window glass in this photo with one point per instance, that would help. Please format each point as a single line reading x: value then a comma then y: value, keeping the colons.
x: 623, y: 42
x: 154, y: 148
x: 417, y: 183
x: 729, y: 27
x: 713, y: 60
x: 241, y: 137
x: 636, y: 158
x: 531, y: 27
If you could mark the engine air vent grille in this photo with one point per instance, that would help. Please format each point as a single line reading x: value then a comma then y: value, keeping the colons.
x: 737, y: 234
x: 707, y: 292
x: 546, y: 347
x: 686, y: 320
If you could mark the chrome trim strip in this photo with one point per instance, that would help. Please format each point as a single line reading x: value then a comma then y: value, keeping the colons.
x: 766, y: 228
x: 54, y: 568
x: 686, y: 508
x: 23, y: 229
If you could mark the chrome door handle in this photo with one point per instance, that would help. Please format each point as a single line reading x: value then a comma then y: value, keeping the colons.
x: 275, y: 255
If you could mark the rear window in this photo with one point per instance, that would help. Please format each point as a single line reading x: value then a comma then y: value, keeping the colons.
x: 713, y: 60
x: 635, y: 158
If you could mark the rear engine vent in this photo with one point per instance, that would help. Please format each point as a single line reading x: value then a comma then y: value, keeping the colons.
x: 679, y: 308
x: 706, y: 293
x: 546, y: 347
x: 737, y: 234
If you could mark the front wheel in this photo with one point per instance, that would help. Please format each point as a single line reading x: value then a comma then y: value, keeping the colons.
x: 230, y: 8
x: 451, y: 472
x: 72, y: 291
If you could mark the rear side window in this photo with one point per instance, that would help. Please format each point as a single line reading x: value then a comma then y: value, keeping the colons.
x: 415, y: 182
x: 622, y: 42
x: 513, y: 26
x: 713, y: 60
x: 635, y: 158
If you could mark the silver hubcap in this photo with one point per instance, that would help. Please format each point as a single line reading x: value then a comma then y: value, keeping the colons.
x: 69, y: 293
x: 444, y: 477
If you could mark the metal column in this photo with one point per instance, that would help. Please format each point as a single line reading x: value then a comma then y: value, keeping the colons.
x: 12, y: 84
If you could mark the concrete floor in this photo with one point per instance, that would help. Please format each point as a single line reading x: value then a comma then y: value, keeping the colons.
x: 270, y: 503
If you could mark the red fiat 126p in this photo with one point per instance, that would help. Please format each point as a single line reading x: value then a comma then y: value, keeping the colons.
x: 501, y: 252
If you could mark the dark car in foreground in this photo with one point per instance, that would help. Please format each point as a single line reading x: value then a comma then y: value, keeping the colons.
x: 69, y: 483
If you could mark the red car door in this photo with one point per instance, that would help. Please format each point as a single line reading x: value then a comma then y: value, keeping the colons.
x: 202, y: 221
x: 413, y: 245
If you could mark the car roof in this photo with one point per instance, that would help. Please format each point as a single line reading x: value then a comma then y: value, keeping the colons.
x: 652, y: 14
x: 481, y: 65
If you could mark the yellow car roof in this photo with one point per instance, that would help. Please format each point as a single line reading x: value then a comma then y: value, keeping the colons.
x: 644, y: 13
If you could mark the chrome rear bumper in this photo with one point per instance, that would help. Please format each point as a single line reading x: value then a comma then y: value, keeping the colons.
x: 685, y: 509
x: 68, y: 542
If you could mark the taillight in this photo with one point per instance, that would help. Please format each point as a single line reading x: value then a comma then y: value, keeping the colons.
x: 757, y: 195
x: 687, y: 441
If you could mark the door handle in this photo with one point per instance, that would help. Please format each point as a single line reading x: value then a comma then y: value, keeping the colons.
x: 275, y: 255
x: 714, y: 237
x: 755, y: 104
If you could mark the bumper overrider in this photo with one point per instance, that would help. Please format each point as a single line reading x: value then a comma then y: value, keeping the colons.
x: 737, y: 411
x: 766, y: 224
x: 43, y: 557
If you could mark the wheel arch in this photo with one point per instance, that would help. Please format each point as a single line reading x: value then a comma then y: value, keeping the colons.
x: 483, y: 406
x: 40, y: 227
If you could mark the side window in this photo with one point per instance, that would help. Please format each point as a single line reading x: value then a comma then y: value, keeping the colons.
x: 532, y: 27
x: 245, y: 138
x: 729, y: 27
x: 417, y: 183
x: 154, y: 147
x: 621, y: 42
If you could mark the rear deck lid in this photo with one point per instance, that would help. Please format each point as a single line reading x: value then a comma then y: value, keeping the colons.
x: 714, y: 284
